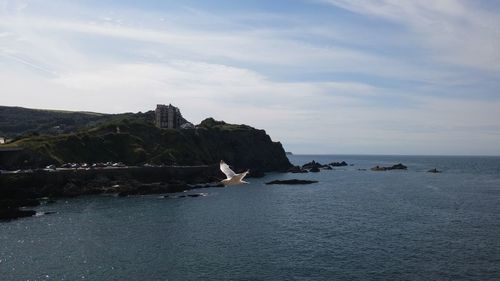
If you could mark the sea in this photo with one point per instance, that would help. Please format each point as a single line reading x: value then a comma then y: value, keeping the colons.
x: 354, y: 224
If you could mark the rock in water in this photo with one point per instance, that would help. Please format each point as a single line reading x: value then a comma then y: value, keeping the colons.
x: 393, y: 167
x: 14, y: 213
x: 296, y: 170
x: 378, y: 168
x: 338, y: 164
x: 314, y: 169
x: 293, y: 181
x: 434, y: 171
x: 397, y: 167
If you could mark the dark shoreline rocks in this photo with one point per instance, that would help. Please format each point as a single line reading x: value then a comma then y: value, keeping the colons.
x: 8, y: 214
x: 25, y: 189
x: 291, y: 182
x: 10, y: 208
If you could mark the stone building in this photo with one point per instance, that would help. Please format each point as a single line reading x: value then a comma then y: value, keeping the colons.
x: 168, y: 117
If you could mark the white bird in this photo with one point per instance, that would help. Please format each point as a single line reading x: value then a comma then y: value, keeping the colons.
x: 232, y: 177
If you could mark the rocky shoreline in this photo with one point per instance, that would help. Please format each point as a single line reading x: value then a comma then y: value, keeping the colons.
x: 21, y: 190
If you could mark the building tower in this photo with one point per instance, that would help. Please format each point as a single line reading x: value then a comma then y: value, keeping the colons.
x: 167, y: 116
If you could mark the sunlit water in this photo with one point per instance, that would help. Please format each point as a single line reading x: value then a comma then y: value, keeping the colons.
x: 352, y: 225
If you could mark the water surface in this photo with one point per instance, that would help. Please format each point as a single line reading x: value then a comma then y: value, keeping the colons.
x: 352, y: 225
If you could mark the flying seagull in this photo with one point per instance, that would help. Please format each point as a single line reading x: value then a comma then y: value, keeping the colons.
x: 232, y: 177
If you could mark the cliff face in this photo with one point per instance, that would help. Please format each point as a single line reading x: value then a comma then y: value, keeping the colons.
x: 135, y: 140
x: 241, y: 146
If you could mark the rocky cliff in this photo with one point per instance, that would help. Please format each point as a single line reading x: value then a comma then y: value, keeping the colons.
x: 134, y: 140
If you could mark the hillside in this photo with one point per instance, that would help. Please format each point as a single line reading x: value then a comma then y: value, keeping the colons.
x: 138, y: 141
x: 17, y: 121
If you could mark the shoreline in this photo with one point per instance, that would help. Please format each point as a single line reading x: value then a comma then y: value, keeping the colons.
x: 27, y: 189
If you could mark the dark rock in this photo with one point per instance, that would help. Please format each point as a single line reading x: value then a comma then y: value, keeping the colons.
x: 296, y: 170
x: 194, y: 195
x: 123, y: 194
x: 379, y: 168
x: 393, y: 167
x: 434, y: 171
x: 315, y: 167
x: 14, y: 213
x: 16, y: 203
x: 314, y: 170
x: 312, y: 164
x: 70, y: 189
x: 9, y: 208
x: 338, y: 164
x: 398, y: 167
x: 293, y: 181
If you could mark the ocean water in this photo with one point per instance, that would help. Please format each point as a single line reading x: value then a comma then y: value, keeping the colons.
x: 352, y: 225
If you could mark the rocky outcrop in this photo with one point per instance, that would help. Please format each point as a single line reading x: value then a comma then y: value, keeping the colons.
x: 10, y: 208
x: 311, y: 165
x: 398, y: 167
x: 393, y: 167
x: 136, y: 180
x: 292, y: 182
x: 315, y: 167
x: 7, y: 214
x: 338, y: 164
x: 296, y: 170
x: 434, y: 171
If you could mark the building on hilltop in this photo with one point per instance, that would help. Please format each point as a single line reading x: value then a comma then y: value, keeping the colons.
x: 168, y: 117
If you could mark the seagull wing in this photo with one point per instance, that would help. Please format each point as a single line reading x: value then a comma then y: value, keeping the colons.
x: 241, y: 176
x: 226, y: 170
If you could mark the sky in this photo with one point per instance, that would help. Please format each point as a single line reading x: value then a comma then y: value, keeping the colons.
x: 320, y: 76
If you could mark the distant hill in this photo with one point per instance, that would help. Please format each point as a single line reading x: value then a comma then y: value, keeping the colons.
x: 134, y: 140
x: 17, y: 121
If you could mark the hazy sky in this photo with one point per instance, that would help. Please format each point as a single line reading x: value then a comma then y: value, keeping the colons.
x: 321, y: 76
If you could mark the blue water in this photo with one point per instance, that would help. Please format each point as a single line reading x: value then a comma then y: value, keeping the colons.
x: 352, y: 225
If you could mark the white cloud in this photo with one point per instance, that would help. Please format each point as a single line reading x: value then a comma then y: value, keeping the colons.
x: 457, y: 31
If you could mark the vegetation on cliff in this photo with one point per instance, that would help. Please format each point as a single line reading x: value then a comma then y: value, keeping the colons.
x: 133, y: 139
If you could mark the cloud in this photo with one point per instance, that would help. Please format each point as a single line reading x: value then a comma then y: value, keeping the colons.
x: 318, y: 84
x: 456, y: 32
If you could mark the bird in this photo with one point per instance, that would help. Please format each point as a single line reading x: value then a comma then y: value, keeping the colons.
x: 231, y: 177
